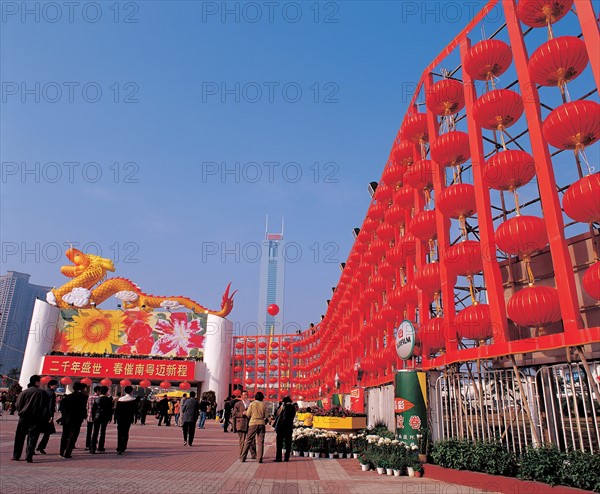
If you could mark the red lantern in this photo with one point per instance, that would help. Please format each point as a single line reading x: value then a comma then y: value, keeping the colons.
x: 262, y: 344
x: 509, y: 170
x: 428, y: 278
x: 487, y: 59
x: 145, y: 383
x: 239, y: 346
x: 261, y: 368
x: 582, y: 199
x: 420, y: 175
x: 392, y: 175
x: 106, y: 382
x: 185, y: 385
x: 386, y: 232
x: 405, y: 197
x: 423, y: 225
x: 250, y: 368
x: 474, y: 323
x: 45, y: 379
x: 250, y: 357
x: 404, y: 248
x: 395, y: 216
x: 237, y: 380
x: 464, y: 258
x: 386, y: 269
x: 558, y: 61
x: 574, y: 125
x: 260, y: 381
x: 165, y: 384
x: 272, y: 380
x: 403, y: 153
x: 591, y: 281
x: 262, y: 356
x: 522, y: 235
x: 383, y: 193
x: 66, y: 381
x: 540, y: 13
x: 451, y: 149
x: 457, y: 201
x: 377, y: 211
x: 274, y: 344
x: 250, y: 344
x: 273, y: 309
x: 274, y: 356
x: 125, y: 382
x: 534, y: 306
x: 414, y: 128
x: 272, y: 368
x: 445, y: 97
x: 498, y: 109
x: 87, y: 381
x: 238, y: 368
x: 433, y: 334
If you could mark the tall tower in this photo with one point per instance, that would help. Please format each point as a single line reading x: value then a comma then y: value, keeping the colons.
x: 17, y: 298
x: 271, y: 288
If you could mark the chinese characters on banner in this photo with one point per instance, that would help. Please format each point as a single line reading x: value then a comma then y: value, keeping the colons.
x: 117, y: 368
x: 357, y: 400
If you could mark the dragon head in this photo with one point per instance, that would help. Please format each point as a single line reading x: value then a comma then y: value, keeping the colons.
x: 82, y: 262
x: 227, y: 302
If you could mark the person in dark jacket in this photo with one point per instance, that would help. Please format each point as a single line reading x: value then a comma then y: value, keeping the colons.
x: 102, y: 411
x: 50, y: 428
x: 73, y: 409
x: 32, y: 407
x: 125, y: 414
x: 227, y: 408
x: 162, y: 410
x: 284, y: 428
x: 143, y: 410
x: 189, y: 414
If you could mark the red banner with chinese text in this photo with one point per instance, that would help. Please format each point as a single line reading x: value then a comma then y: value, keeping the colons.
x: 357, y: 400
x: 63, y: 365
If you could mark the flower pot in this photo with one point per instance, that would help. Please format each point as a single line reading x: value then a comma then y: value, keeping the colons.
x: 389, y: 471
x: 331, y: 456
x: 305, y: 454
x: 380, y: 470
x: 312, y: 454
x: 296, y: 453
x: 423, y: 458
x: 364, y: 468
x: 417, y: 474
x: 411, y: 471
x: 397, y: 473
x: 355, y: 455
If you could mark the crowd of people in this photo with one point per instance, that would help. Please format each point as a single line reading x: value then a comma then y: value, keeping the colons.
x: 36, y: 408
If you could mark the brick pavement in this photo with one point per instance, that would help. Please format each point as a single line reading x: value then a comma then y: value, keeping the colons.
x: 157, y: 462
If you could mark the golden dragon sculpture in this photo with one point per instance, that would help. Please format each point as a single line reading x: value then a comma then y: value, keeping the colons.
x: 88, y: 270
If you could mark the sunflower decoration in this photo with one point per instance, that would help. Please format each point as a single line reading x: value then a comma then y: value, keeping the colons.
x: 94, y: 331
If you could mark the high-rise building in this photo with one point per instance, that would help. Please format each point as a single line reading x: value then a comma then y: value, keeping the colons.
x: 17, y: 298
x: 271, y: 288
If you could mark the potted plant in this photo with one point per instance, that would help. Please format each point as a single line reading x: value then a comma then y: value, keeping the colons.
x: 364, y: 462
x: 423, y: 443
x: 418, y: 468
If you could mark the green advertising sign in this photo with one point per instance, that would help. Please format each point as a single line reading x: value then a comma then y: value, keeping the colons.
x: 410, y: 405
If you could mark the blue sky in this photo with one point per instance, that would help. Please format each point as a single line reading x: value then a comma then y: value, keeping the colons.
x: 154, y: 144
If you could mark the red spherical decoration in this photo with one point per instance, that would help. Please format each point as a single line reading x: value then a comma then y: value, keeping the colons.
x: 386, y: 232
x: 540, y: 13
x: 383, y: 193
x: 405, y: 197
x: 457, y: 201
x: 66, y: 380
x: 509, y: 170
x: 451, y: 148
x: 581, y: 201
x: 87, y: 381
x: 404, y: 249
x: 392, y: 175
x: 591, y: 281
x: 522, y: 235
x: 474, y: 323
x: 165, y: 384
x: 106, y: 382
x: 250, y: 344
x: 558, y: 61
x: 432, y: 333
x: 262, y: 356
x: 464, y: 258
x: 414, y: 128
x: 250, y: 357
x: 487, y: 59
x: 498, y: 109
x: 237, y: 380
x: 145, y: 383
x: 261, y: 368
x: 260, y: 381
x: 273, y: 309
x: 445, y: 97
x: 274, y: 356
x: 262, y: 344
x: 46, y: 379
x: 386, y: 269
x: 428, y: 278
x: 574, y: 125
x: 423, y: 225
x: 185, y: 385
x: 125, y: 382
x: 274, y: 344
x: 420, y: 175
x: 403, y: 153
x: 534, y: 306
x: 238, y: 368
x: 377, y: 211
x: 239, y: 346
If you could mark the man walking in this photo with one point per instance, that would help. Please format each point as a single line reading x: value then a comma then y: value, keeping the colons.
x: 32, y: 407
x: 227, y: 406
x: 163, y: 410
x: 256, y: 413
x: 143, y: 410
x: 240, y: 421
x: 189, y: 414
x: 284, y: 428
x: 73, y: 410
x: 102, y: 414
x: 90, y: 417
x: 204, y: 404
x: 124, y: 413
x: 50, y: 428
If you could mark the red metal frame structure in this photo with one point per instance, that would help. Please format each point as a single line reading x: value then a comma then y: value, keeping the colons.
x: 376, y: 289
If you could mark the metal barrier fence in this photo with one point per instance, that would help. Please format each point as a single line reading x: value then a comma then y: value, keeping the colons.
x: 556, y: 404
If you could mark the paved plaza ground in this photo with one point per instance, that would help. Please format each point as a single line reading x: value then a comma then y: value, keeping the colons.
x: 157, y: 462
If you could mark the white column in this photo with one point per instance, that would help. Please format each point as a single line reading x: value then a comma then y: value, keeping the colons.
x: 40, y: 339
x: 217, y: 356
